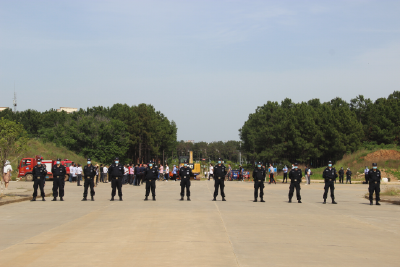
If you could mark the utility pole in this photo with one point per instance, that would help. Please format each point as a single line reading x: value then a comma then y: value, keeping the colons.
x: 15, y: 100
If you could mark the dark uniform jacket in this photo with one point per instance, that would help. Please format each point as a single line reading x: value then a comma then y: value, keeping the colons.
x: 295, y: 176
x: 59, y: 171
x: 341, y: 172
x: 348, y: 173
x: 259, y: 174
x: 329, y: 175
x: 151, y: 174
x: 89, y: 171
x: 40, y: 172
x: 219, y: 171
x: 185, y: 173
x: 374, y: 176
x: 116, y: 170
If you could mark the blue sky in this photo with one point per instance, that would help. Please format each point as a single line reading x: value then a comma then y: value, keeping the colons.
x: 205, y: 64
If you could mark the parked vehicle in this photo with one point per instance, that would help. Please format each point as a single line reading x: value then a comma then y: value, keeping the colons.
x: 26, y: 165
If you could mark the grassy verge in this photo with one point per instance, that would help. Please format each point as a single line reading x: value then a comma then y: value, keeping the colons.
x: 47, y: 151
x: 391, y: 191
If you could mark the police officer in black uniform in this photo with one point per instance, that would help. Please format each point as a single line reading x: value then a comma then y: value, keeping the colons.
x: 39, y: 177
x: 295, y: 176
x: 116, y: 171
x: 150, y: 175
x: 374, y: 179
x: 185, y: 173
x: 89, y: 172
x: 219, y: 177
x: 329, y: 175
x: 259, y: 174
x: 59, y: 171
x: 341, y: 175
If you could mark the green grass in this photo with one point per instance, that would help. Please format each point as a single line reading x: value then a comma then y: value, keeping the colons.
x: 47, y: 151
x: 391, y: 191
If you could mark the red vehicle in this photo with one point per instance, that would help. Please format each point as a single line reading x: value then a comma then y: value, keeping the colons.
x: 26, y: 165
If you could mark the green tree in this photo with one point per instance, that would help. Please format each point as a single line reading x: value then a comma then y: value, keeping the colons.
x: 13, y: 140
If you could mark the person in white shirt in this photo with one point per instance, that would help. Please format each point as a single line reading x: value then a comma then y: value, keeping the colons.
x: 166, y: 173
x: 72, y: 171
x: 7, y: 174
x: 308, y: 175
x: 79, y: 174
x: 211, y: 172
x: 126, y: 174
x: 105, y: 172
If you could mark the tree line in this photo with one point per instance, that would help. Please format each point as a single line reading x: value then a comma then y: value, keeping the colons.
x: 134, y: 133
x: 313, y: 132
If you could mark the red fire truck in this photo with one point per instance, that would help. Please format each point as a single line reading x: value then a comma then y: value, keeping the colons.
x: 26, y: 165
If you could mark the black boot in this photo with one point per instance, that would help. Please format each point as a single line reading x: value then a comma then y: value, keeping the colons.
x: 255, y: 200
x: 154, y: 198
x: 214, y: 199
x: 61, y: 199
x: 112, y: 199
x: 54, y: 199
x: 299, y: 201
x: 120, y: 198
x: 324, y: 201
x: 92, y: 198
x: 223, y: 199
x: 43, y: 199
x: 371, y: 203
x: 33, y: 199
x: 290, y: 201
x: 181, y: 198
x: 84, y: 199
x: 377, y: 203
x: 333, y: 202
x: 146, y: 198
x: 262, y: 200
x: 188, y: 198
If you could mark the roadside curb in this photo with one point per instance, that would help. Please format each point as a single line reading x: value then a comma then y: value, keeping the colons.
x: 396, y: 202
x: 21, y: 199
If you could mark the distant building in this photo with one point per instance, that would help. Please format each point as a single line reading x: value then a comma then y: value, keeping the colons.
x: 68, y: 110
x: 3, y: 108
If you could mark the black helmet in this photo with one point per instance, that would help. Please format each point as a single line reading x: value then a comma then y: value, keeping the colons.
x: 89, y: 159
x: 259, y: 163
x: 219, y: 159
x: 329, y: 162
x: 296, y: 164
x: 374, y: 164
x: 116, y: 158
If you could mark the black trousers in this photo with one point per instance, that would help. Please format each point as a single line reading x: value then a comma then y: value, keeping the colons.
x: 38, y: 182
x: 374, y: 187
x: 79, y: 177
x: 341, y: 179
x: 116, y: 182
x: 210, y: 175
x: 291, y: 190
x: 185, y: 183
x: 271, y: 178
x: 174, y: 177
x: 257, y: 185
x: 331, y: 185
x: 366, y: 178
x: 348, y: 179
x: 151, y: 185
x: 58, y: 186
x: 284, y: 177
x: 219, y: 182
x: 130, y: 178
x: 88, y: 182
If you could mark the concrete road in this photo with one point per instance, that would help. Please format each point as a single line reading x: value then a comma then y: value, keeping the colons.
x: 168, y: 232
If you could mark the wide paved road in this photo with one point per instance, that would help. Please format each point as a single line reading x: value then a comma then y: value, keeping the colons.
x: 168, y: 232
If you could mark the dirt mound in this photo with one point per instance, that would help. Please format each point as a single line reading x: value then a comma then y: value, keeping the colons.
x: 382, y: 155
